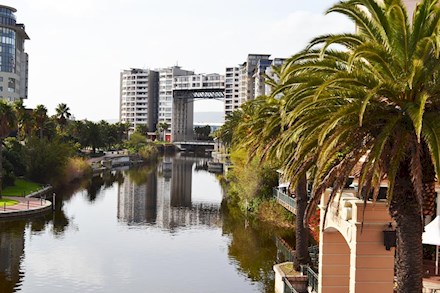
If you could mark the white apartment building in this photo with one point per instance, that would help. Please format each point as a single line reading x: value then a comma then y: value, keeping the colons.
x: 277, y: 62
x: 13, y: 59
x: 138, y: 104
x: 232, y: 88
x: 259, y: 77
x: 246, y: 78
x: 248, y: 81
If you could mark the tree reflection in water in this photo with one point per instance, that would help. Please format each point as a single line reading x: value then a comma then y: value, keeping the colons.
x: 253, y: 246
x: 12, y: 233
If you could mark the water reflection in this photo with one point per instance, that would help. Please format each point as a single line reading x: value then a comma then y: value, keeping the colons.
x: 161, y: 195
x: 11, y: 253
x: 121, y: 230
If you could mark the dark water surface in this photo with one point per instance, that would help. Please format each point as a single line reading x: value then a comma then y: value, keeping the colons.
x: 159, y: 228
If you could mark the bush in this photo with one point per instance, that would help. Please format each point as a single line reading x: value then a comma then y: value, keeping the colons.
x: 76, y: 168
x: 250, y: 182
x: 148, y: 152
x: 46, y: 159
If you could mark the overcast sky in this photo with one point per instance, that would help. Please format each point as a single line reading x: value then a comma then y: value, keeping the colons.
x: 78, y: 47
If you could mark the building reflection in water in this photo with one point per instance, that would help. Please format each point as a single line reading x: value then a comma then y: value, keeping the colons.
x: 163, y: 197
x: 11, y: 254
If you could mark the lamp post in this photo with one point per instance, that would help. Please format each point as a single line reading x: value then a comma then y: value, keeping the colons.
x: 389, y: 237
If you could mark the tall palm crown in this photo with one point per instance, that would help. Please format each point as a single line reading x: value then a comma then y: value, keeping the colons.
x: 24, y: 119
x: 40, y: 116
x: 63, y: 113
x: 376, y: 99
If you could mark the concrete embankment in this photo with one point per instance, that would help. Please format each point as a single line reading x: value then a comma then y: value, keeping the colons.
x: 30, y: 205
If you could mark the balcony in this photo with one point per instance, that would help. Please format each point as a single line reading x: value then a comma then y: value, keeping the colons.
x: 285, y: 200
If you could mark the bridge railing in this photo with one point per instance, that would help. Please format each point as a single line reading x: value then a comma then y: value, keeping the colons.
x: 288, y: 288
x: 287, y: 201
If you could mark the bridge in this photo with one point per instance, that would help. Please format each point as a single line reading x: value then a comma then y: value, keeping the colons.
x: 192, y: 146
x: 186, y: 89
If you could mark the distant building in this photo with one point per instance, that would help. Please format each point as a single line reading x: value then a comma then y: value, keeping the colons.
x: 13, y: 59
x: 277, y: 62
x: 139, y: 96
x: 259, y: 77
x: 246, y: 77
x: 248, y: 81
x: 232, y: 87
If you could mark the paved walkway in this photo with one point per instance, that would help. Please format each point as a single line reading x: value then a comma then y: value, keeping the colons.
x: 26, y: 206
x: 431, y: 284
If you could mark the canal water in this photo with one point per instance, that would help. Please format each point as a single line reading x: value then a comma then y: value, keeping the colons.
x: 158, y: 228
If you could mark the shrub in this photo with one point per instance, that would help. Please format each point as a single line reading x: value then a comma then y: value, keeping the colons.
x: 148, y: 152
x: 76, y: 168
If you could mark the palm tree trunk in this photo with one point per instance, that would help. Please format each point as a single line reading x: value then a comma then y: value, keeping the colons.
x: 41, y: 132
x: 1, y: 167
x: 302, y: 232
x: 409, y: 252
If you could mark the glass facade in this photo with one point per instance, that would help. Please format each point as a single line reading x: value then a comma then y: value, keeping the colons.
x: 7, y: 50
x: 7, y: 40
x: 7, y: 16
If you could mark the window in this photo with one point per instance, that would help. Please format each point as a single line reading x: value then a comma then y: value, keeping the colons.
x: 11, y: 85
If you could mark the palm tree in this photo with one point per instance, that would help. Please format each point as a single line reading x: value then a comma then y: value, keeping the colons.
x: 378, y: 99
x: 7, y: 124
x: 40, y: 116
x: 24, y: 119
x: 226, y: 132
x: 62, y: 114
x: 163, y: 127
x: 258, y: 128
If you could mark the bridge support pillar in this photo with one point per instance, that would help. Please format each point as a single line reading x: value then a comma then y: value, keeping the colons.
x: 182, y: 122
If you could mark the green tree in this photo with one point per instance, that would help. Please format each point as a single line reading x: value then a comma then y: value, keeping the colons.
x: 378, y: 100
x: 136, y: 142
x: 203, y: 132
x: 7, y: 124
x: 24, y: 120
x: 62, y: 114
x: 260, y: 131
x: 41, y: 118
x: 163, y: 128
x: 46, y: 159
x: 226, y: 132
x: 142, y: 129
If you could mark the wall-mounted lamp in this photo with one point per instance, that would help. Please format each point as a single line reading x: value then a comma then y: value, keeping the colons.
x: 389, y: 237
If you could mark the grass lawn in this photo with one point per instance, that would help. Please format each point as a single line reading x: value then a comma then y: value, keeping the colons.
x: 9, y: 202
x: 21, y: 187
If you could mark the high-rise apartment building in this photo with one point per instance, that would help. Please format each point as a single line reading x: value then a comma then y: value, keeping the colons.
x: 277, y: 62
x: 232, y: 88
x: 248, y: 81
x: 246, y: 78
x: 139, y: 97
x: 14, y: 60
x: 259, y: 77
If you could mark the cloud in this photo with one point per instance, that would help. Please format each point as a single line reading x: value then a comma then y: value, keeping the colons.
x: 300, y: 27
